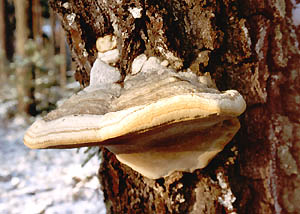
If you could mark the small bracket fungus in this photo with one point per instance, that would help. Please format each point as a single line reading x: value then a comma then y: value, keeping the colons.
x: 107, y: 49
x: 109, y: 57
x: 138, y: 63
x: 106, y: 43
x: 102, y: 73
x: 159, y: 122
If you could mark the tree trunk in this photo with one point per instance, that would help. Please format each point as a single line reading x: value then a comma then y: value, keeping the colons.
x: 23, y: 72
x: 10, y: 29
x: 37, y: 21
x: 3, y: 55
x: 63, y: 54
x: 53, y: 31
x: 250, y: 46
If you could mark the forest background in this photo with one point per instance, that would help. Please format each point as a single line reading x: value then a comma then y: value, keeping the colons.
x: 36, y: 74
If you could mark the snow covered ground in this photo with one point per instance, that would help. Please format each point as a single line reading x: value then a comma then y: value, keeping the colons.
x: 45, y: 181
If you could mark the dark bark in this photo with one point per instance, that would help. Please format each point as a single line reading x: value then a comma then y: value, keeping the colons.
x: 3, y: 55
x: 247, y: 45
x: 10, y: 27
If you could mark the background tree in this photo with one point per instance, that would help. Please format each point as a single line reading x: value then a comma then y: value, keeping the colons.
x: 36, y: 12
x: 251, y: 46
x: 23, y: 72
x: 63, y: 53
x: 2, y: 40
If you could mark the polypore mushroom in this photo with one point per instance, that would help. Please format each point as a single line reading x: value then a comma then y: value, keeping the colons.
x: 106, y: 43
x: 107, y: 50
x: 159, y: 122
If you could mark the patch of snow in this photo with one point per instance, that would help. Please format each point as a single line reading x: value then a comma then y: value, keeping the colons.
x: 45, y: 181
x: 6, y: 106
x: 46, y: 29
x: 296, y: 13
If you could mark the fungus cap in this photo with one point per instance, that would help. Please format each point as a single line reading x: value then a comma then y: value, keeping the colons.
x: 159, y: 122
x: 106, y: 43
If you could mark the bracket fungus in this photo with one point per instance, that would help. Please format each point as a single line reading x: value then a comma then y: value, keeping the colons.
x: 158, y: 122
x: 106, y: 43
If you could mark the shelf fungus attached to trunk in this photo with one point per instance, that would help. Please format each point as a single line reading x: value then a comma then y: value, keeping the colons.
x: 159, y: 121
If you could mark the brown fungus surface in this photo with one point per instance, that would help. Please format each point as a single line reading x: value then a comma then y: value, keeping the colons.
x: 159, y: 122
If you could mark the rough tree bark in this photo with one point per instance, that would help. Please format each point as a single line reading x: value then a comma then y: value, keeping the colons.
x: 248, y: 45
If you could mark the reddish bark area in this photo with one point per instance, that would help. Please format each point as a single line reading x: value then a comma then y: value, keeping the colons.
x: 251, y: 46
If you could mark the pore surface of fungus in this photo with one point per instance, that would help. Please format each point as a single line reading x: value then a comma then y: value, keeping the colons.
x: 159, y: 122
